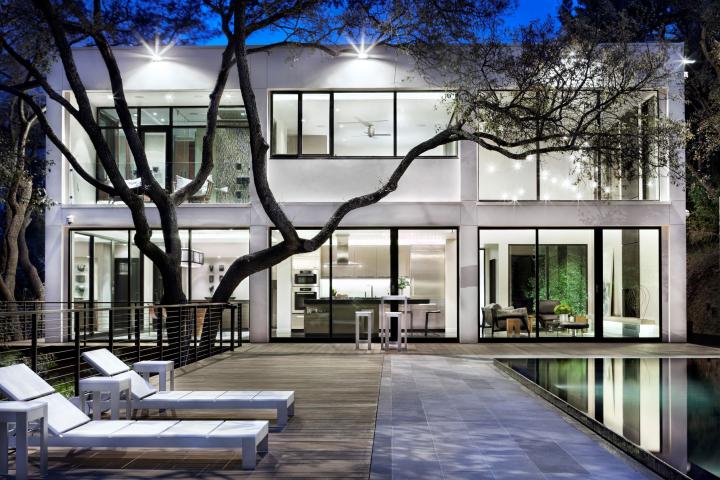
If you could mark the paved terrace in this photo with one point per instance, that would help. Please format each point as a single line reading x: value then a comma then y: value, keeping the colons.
x: 439, y: 412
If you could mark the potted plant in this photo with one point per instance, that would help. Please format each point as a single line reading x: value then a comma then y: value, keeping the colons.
x: 403, y: 283
x: 563, y: 311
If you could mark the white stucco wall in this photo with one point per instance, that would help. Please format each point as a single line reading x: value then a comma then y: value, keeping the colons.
x: 434, y: 192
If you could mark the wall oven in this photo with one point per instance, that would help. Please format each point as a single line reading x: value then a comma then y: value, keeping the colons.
x: 300, y: 294
x: 305, y: 277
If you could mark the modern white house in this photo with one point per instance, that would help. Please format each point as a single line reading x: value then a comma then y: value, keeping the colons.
x: 466, y: 229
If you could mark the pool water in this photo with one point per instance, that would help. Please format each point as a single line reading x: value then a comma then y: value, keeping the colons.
x: 669, y: 407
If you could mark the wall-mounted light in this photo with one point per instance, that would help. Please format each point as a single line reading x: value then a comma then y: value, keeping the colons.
x: 363, y: 50
x: 156, y: 52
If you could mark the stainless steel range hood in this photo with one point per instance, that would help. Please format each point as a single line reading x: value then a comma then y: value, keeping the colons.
x: 342, y: 251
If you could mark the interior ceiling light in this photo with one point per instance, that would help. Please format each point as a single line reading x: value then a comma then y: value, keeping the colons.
x: 156, y: 51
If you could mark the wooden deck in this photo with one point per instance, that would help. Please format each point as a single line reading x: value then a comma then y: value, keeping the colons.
x: 331, y: 435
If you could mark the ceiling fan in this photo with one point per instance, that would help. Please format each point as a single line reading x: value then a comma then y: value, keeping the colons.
x: 369, y: 125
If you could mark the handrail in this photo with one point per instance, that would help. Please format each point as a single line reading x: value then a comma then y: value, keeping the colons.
x: 52, y: 340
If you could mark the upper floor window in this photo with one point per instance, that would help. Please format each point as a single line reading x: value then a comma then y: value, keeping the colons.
x: 559, y: 176
x: 356, y: 124
x: 172, y: 137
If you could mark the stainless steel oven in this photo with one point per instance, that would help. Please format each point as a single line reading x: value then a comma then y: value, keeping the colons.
x: 300, y: 294
x: 305, y: 277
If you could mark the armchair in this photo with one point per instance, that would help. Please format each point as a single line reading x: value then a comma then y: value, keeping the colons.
x: 497, y: 316
x: 546, y: 314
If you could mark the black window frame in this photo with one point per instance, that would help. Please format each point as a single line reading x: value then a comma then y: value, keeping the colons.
x: 598, y: 195
x: 168, y: 129
x: 597, y: 250
x: 394, y: 276
x: 331, y: 154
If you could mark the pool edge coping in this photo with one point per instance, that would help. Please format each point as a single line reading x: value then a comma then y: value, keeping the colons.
x: 648, y: 460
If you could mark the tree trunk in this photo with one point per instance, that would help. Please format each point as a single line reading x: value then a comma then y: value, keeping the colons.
x: 18, y: 202
x: 26, y: 264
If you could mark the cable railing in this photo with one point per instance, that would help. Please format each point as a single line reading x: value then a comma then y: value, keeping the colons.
x: 51, y: 337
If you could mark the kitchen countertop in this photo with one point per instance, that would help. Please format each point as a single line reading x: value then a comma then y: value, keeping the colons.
x: 365, y: 300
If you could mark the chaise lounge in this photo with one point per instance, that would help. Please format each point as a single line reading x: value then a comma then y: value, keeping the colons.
x: 145, y: 396
x: 70, y: 427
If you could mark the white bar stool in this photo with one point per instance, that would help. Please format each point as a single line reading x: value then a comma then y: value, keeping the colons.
x: 359, y: 315
x: 385, y: 323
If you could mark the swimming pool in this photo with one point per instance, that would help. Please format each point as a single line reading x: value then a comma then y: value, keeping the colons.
x: 668, y: 407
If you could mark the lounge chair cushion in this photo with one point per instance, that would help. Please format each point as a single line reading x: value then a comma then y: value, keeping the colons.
x: 20, y: 383
x: 105, y: 362
x: 62, y: 415
x: 138, y: 386
x: 98, y: 428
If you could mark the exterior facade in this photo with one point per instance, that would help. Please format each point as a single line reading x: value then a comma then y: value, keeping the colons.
x: 484, y: 246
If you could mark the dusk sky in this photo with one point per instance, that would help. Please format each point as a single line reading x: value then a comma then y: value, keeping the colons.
x: 527, y: 11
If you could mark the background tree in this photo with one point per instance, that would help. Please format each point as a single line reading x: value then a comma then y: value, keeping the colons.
x: 22, y: 198
x: 548, y: 92
x: 697, y: 25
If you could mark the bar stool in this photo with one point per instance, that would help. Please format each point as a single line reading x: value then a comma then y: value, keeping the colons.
x: 385, y: 321
x: 427, y: 318
x: 359, y: 315
x: 402, y: 330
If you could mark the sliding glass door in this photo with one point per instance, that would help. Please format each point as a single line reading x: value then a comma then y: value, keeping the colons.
x: 569, y: 283
x: 315, y: 295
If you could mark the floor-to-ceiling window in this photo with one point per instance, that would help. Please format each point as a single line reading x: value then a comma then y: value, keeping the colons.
x: 548, y: 283
x: 631, y: 283
x: 316, y: 294
x: 107, y: 269
x: 172, y: 138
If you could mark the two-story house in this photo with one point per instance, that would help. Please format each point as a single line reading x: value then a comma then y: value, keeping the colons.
x: 466, y: 228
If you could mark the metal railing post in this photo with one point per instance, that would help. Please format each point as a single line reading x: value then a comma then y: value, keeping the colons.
x: 232, y: 328
x: 77, y: 350
x: 195, y: 339
x: 159, y: 332
x: 138, y: 319
x: 221, y: 311
x: 111, y: 328
x: 34, y: 341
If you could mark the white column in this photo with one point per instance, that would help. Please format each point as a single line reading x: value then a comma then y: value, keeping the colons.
x: 468, y: 284
x: 259, y: 295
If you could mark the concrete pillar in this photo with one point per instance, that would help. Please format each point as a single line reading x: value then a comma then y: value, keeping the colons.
x: 259, y: 291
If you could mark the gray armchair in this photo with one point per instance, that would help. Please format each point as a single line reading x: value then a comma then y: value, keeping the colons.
x: 546, y: 314
x: 495, y: 317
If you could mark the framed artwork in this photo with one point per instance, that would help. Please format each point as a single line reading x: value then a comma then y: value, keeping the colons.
x: 211, y: 279
x: 211, y: 267
x: 221, y: 267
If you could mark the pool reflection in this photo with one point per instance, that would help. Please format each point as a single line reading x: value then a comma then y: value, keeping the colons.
x: 668, y: 407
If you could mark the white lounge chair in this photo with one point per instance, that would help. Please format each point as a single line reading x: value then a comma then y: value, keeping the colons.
x: 145, y: 396
x: 70, y: 427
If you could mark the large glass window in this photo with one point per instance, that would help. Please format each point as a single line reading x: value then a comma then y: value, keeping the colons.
x: 508, y: 283
x: 316, y: 294
x: 364, y: 124
x: 173, y: 140
x: 631, y: 283
x: 427, y: 269
x: 357, y: 124
x: 285, y: 109
x: 421, y: 115
x: 301, y: 292
x: 630, y: 172
x: 315, y: 124
x: 565, y: 273
x: 503, y: 178
x: 552, y: 277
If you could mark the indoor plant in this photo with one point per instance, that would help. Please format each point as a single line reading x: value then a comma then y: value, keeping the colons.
x: 563, y: 310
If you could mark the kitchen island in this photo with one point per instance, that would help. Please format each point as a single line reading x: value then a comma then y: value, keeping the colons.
x: 317, y: 314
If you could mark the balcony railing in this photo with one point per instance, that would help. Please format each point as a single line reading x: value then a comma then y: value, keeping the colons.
x: 51, y: 337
